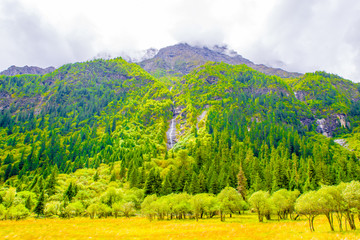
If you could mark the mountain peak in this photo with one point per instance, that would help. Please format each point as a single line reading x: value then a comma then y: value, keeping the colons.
x: 14, y: 70
x: 182, y: 58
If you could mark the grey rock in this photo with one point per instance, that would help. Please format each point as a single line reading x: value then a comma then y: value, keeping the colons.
x: 13, y: 70
x: 182, y: 58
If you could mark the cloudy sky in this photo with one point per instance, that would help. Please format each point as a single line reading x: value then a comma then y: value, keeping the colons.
x: 301, y: 36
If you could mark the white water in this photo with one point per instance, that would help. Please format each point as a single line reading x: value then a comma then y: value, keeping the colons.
x: 172, y: 132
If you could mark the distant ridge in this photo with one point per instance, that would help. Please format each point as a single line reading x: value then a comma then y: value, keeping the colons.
x: 182, y: 58
x: 14, y: 70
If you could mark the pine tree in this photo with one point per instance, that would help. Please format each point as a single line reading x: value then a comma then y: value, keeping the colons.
x: 133, y: 178
x: 9, y: 159
x: 122, y: 170
x: 242, y: 183
x: 113, y: 128
x: 39, y: 209
x: 257, y: 186
x: 186, y: 187
x: 51, y: 184
x: 214, y: 186
x: 28, y: 202
x: 194, y: 185
x: 166, y: 186
x: 96, y: 176
x: 7, y: 172
x: 149, y: 183
x: 157, y: 183
x: 15, y: 170
x: 71, y: 191
x: 113, y: 177
x: 202, y: 182
x: 142, y: 178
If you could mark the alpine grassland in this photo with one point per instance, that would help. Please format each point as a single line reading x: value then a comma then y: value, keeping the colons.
x: 238, y: 227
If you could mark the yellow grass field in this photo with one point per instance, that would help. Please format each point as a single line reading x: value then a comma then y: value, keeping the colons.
x: 238, y: 227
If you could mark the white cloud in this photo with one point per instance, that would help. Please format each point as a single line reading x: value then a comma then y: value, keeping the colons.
x: 305, y: 35
x: 313, y: 35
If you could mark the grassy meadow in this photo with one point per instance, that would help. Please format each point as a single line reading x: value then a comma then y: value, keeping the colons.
x: 238, y: 227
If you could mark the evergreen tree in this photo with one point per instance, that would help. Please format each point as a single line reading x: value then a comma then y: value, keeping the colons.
x: 96, y: 176
x: 14, y: 170
x: 122, y: 170
x: 133, y: 177
x: 202, y: 183
x: 186, y: 187
x: 7, y: 172
x: 51, y: 183
x: 194, y: 185
x: 113, y: 177
x: 9, y: 159
x: 214, y: 186
x: 39, y: 209
x: 28, y: 202
x: 166, y: 188
x: 71, y: 191
x: 242, y: 183
x: 153, y: 182
x: 113, y: 128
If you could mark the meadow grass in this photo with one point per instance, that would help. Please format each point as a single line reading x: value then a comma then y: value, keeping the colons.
x: 238, y: 227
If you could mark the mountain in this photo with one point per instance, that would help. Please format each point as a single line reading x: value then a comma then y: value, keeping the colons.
x: 331, y: 99
x: 90, y: 130
x: 13, y: 70
x: 182, y: 58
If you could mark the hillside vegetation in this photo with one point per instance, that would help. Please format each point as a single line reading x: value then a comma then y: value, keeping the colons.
x: 90, y: 138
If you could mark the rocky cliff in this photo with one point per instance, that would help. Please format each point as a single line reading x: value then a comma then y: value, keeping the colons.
x: 181, y: 58
x: 13, y: 70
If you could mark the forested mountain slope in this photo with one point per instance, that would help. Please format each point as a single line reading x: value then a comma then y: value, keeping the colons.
x: 232, y: 122
x: 70, y: 115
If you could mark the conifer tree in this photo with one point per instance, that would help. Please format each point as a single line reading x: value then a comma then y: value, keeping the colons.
x: 39, y: 209
x: 242, y: 183
x: 113, y: 128
x: 194, y: 185
x: 153, y: 182
x: 51, y: 183
x: 214, y: 186
x: 113, y: 176
x: 71, y: 191
x: 133, y: 178
x: 96, y: 176
x: 166, y: 188
x: 28, y: 202
x: 148, y: 188
x: 7, y: 172
x: 186, y: 187
x: 202, y: 182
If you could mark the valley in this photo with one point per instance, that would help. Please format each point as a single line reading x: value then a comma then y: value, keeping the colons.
x: 103, y: 138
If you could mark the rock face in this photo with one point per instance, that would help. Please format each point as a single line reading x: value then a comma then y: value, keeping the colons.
x: 300, y: 95
x: 200, y: 118
x: 182, y: 58
x: 327, y: 126
x: 13, y: 70
x: 341, y: 142
x: 171, y: 133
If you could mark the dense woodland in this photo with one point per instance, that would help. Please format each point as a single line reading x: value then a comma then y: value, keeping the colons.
x: 90, y: 139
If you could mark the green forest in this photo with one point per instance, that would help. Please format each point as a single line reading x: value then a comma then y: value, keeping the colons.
x: 90, y: 139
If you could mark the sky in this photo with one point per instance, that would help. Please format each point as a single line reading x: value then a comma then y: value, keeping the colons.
x: 301, y: 36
